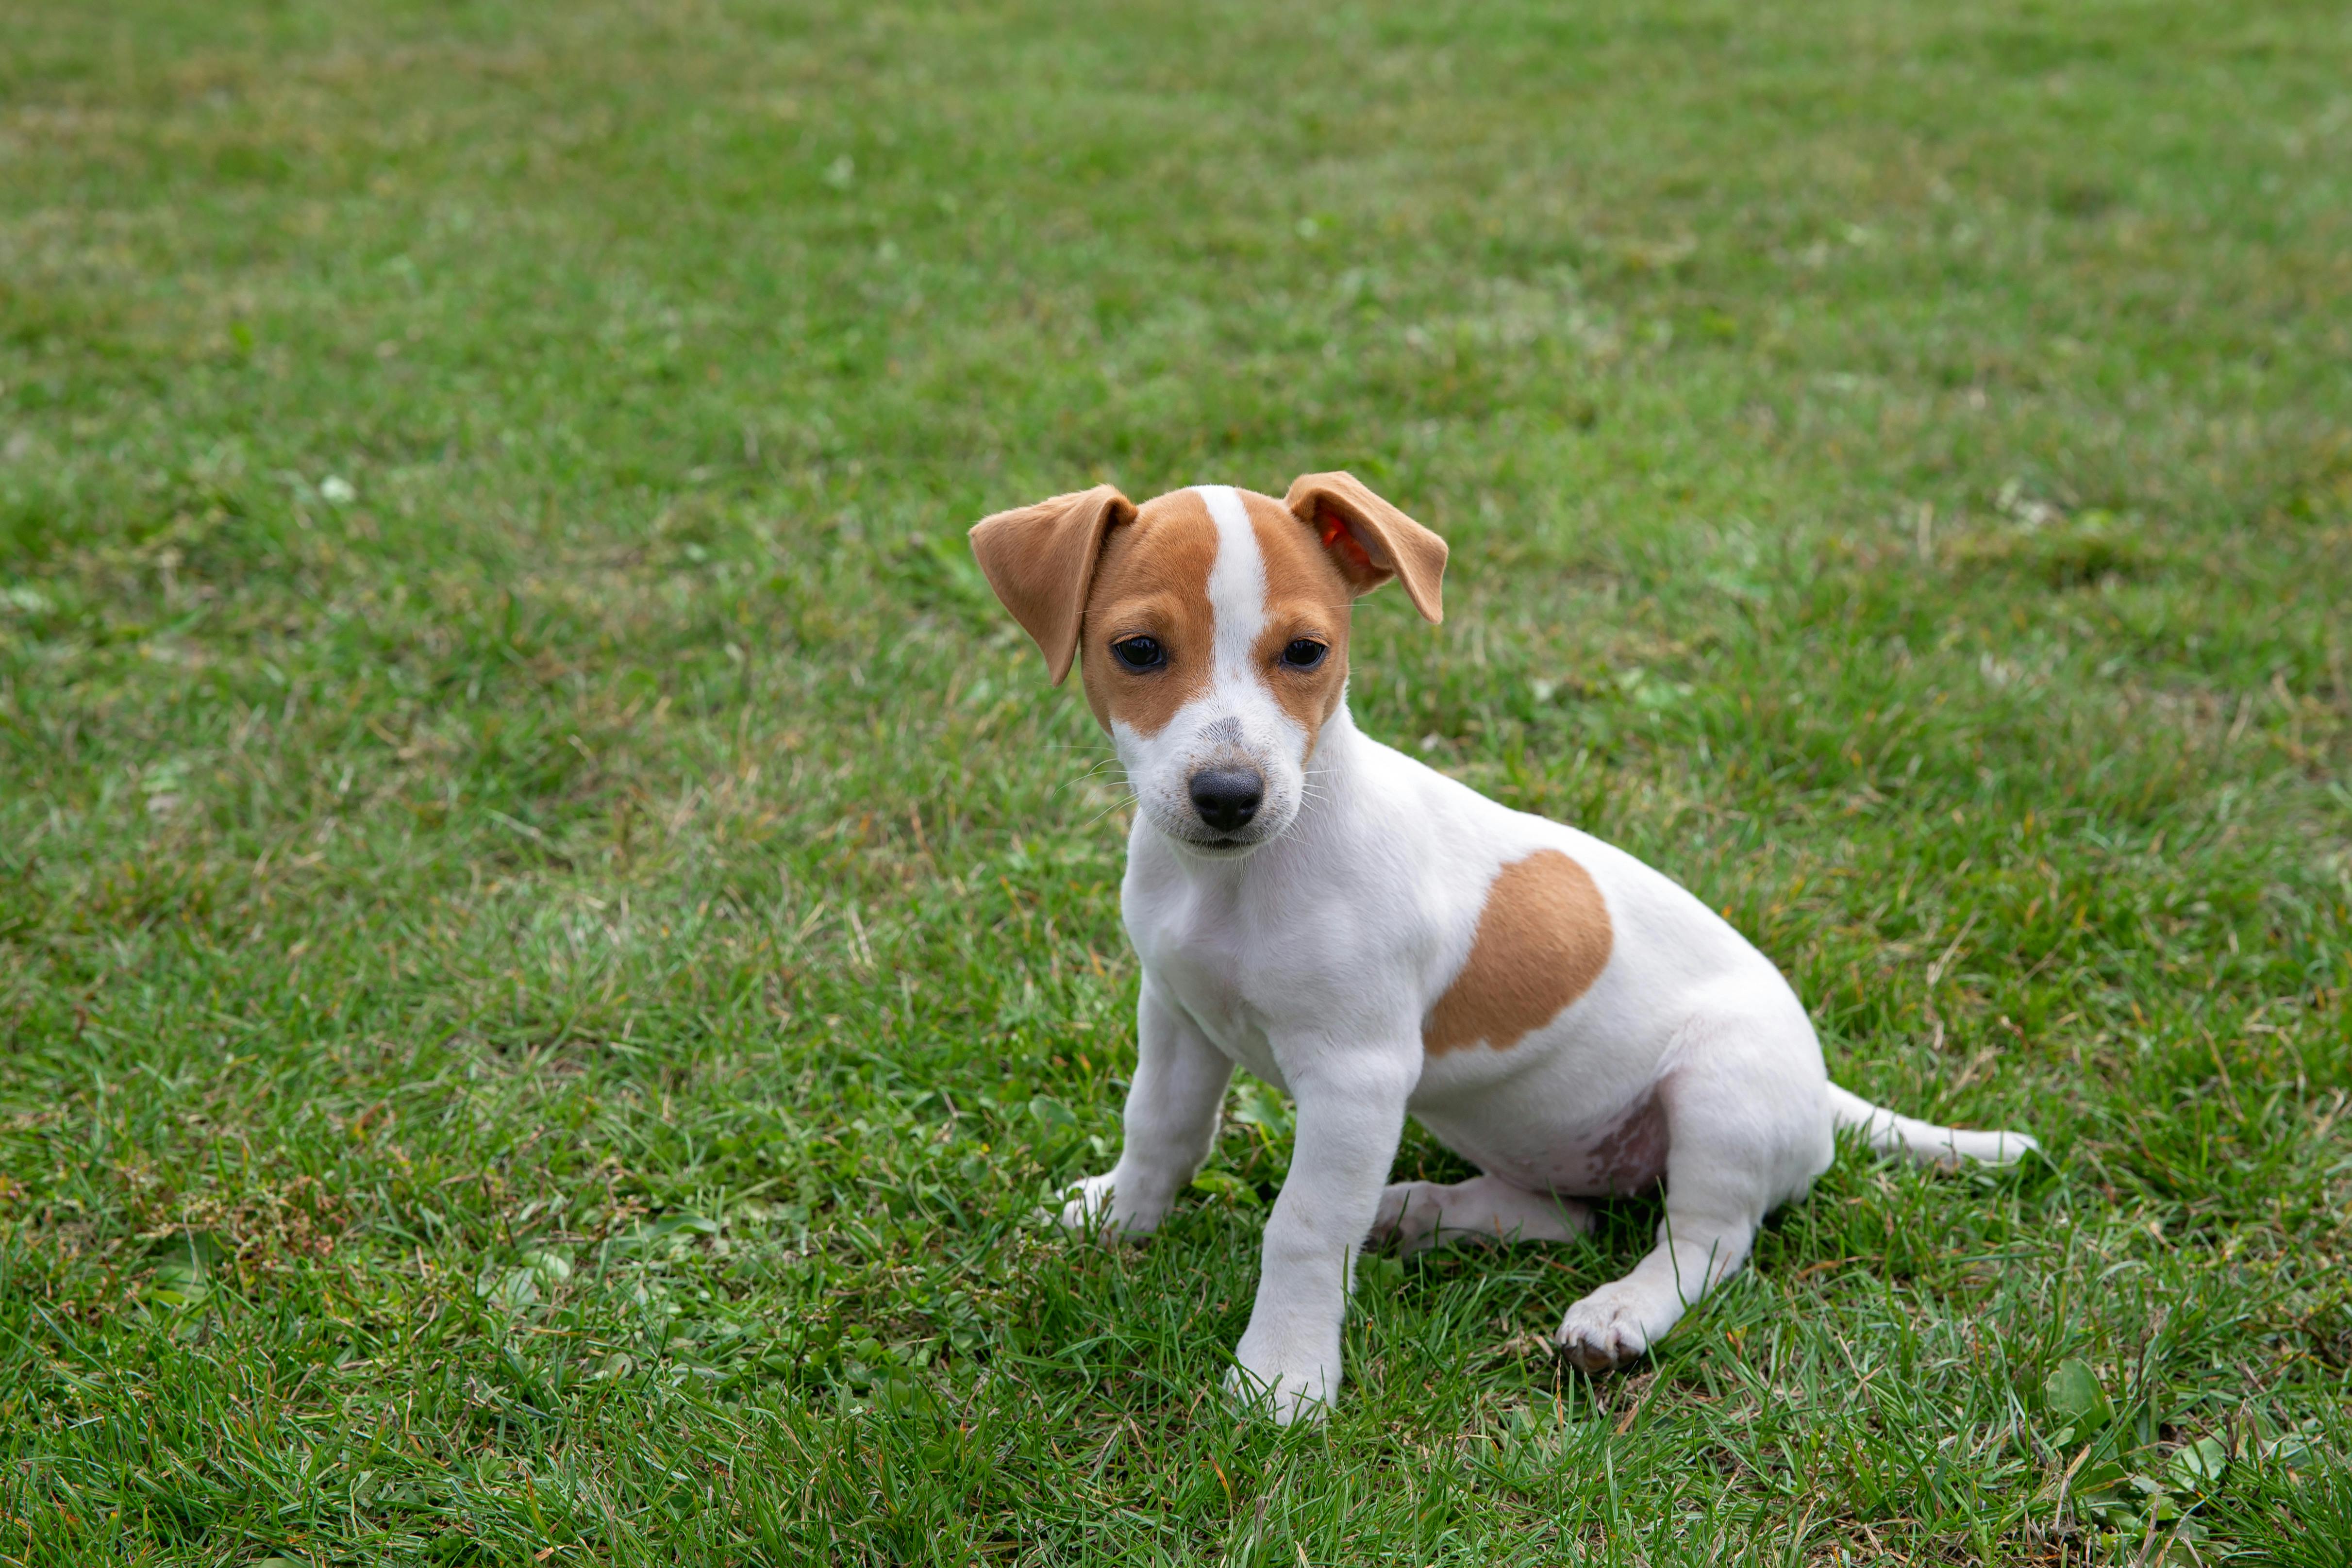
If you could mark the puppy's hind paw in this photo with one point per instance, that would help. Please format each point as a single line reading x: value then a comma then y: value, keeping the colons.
x: 1408, y: 1215
x: 1600, y: 1333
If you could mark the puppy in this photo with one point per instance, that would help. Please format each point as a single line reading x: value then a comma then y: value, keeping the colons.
x: 1381, y: 941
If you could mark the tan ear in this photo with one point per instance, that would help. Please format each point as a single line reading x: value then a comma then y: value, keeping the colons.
x: 1041, y: 561
x: 1372, y: 540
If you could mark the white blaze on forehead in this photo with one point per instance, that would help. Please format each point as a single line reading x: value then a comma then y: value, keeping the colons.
x: 1236, y: 583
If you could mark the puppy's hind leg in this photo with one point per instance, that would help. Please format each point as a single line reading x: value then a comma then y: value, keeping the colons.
x: 1420, y: 1215
x: 1745, y: 1133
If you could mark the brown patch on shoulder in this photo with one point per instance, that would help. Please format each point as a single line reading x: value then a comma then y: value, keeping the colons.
x: 1153, y: 580
x: 1307, y: 595
x: 1543, y: 939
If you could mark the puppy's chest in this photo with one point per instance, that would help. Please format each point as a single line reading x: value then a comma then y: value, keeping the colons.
x: 1210, y: 958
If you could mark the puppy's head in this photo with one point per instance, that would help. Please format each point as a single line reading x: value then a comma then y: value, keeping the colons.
x: 1210, y: 625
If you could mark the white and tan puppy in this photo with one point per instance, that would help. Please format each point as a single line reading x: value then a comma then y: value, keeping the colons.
x: 1381, y: 941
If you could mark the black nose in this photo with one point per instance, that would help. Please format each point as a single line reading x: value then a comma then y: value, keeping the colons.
x: 1227, y: 797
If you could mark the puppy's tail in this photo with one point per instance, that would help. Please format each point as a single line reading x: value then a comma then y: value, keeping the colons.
x: 1924, y: 1141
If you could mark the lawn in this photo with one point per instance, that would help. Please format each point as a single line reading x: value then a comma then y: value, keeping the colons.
x: 552, y: 937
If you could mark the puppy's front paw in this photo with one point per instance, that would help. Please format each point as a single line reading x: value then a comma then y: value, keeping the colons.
x: 1289, y: 1394
x: 1096, y: 1207
x: 1606, y: 1328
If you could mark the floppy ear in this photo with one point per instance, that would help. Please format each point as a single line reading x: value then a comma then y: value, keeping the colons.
x: 1372, y: 540
x: 1041, y: 560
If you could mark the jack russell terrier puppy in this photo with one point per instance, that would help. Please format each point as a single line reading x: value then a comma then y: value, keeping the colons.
x: 1381, y: 941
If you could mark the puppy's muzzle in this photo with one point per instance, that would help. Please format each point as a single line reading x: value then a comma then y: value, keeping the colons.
x: 1226, y: 798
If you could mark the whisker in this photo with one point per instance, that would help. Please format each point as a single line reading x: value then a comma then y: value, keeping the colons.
x: 1106, y: 811
x: 1095, y: 778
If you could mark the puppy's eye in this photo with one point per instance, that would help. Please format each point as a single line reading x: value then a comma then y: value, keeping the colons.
x: 1139, y: 653
x: 1304, y: 653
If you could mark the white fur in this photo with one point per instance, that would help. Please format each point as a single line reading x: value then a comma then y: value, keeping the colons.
x: 1236, y: 586
x: 1312, y: 954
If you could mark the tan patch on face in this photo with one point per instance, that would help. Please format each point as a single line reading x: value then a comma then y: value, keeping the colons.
x: 1543, y: 939
x: 1153, y: 580
x: 1306, y: 596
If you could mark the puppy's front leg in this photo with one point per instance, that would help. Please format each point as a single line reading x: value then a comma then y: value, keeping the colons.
x: 1171, y: 1122
x: 1351, y: 1110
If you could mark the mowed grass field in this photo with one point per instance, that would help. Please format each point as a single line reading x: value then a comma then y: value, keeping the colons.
x: 552, y: 939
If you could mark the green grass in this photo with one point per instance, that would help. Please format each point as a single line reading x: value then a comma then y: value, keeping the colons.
x: 552, y: 938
